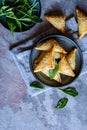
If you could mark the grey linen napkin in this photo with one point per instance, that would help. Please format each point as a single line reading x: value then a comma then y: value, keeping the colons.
x: 21, y: 55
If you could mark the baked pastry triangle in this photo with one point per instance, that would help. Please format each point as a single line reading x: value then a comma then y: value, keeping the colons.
x: 38, y: 59
x: 47, y: 62
x: 46, y: 46
x: 82, y: 23
x: 57, y: 21
x: 58, y: 48
x: 64, y: 68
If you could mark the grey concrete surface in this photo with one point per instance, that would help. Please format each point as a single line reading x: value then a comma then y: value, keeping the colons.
x: 20, y: 111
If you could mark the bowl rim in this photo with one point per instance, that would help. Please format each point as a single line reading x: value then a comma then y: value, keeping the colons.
x: 50, y: 36
x: 39, y: 14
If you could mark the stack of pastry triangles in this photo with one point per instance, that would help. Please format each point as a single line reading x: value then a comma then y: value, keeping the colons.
x: 54, y: 58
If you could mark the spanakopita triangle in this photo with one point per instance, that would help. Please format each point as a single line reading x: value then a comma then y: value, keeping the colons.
x: 82, y: 23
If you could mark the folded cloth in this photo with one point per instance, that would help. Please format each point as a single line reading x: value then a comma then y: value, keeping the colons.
x: 21, y: 55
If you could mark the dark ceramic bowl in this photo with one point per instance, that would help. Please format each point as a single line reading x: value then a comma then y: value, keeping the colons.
x: 3, y: 19
x: 68, y: 45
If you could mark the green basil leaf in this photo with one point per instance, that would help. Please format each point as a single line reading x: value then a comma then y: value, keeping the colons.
x: 25, y: 20
x: 52, y: 73
x: 4, y: 2
x: 71, y: 91
x: 4, y: 8
x: 12, y: 27
x: 18, y: 24
x: 36, y: 85
x: 61, y: 103
x: 26, y: 25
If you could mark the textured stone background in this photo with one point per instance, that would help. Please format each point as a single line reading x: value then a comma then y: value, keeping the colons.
x: 18, y: 110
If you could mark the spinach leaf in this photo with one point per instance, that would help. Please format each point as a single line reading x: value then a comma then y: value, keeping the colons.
x: 3, y: 2
x: 52, y: 73
x: 61, y: 103
x: 71, y: 91
x: 11, y: 26
x: 20, y: 12
x: 36, y: 85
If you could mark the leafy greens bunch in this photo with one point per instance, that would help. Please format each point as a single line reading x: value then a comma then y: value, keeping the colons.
x: 20, y: 14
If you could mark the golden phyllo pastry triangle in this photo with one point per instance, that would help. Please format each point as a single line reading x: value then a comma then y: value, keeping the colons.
x: 47, y: 62
x: 82, y: 23
x: 71, y: 58
x: 58, y: 48
x: 64, y: 68
x: 45, y: 46
x: 38, y: 59
x: 57, y: 21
